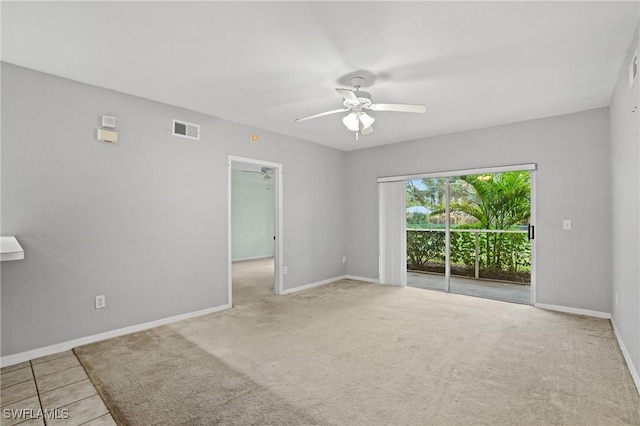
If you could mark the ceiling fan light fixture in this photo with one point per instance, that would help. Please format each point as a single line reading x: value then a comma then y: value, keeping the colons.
x: 366, y: 130
x: 366, y: 120
x: 351, y: 122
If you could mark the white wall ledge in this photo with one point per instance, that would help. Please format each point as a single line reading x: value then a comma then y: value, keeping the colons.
x: 10, y: 249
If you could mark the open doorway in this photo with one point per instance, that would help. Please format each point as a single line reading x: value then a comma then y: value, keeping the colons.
x: 254, y: 251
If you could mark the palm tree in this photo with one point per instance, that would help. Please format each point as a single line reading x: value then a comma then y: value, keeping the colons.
x: 496, y: 201
x: 415, y: 197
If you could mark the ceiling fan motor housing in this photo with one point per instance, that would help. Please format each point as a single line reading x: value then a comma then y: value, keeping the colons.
x: 364, y: 100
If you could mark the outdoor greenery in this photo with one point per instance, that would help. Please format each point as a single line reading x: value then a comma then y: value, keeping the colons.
x: 498, y: 201
x: 424, y: 247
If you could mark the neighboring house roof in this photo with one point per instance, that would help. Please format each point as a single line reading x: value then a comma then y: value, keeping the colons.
x: 418, y: 209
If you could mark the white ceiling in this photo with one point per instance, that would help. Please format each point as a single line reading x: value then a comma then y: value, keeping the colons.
x: 474, y: 64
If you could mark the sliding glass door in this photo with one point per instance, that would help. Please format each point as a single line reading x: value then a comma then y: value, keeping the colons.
x: 470, y: 234
x: 426, y: 233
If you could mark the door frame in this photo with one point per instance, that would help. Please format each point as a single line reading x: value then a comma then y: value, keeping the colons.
x: 530, y: 167
x: 532, y: 222
x: 279, y: 229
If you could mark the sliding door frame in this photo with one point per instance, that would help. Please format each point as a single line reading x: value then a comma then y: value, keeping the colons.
x: 532, y: 222
x: 447, y: 234
x: 530, y: 167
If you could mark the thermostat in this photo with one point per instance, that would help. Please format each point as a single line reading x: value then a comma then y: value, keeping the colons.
x: 107, y: 121
x: 107, y: 136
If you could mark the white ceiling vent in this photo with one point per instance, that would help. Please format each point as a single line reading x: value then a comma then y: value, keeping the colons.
x: 186, y: 130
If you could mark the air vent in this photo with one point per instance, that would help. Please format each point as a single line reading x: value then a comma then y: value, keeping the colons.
x: 186, y: 130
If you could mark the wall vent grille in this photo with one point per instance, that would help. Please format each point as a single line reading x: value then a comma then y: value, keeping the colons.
x: 186, y: 130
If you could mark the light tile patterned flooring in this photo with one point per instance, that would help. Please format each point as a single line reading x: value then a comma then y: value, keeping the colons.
x: 52, y: 390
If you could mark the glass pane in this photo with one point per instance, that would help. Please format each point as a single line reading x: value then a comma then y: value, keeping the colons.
x: 490, y: 251
x: 426, y: 233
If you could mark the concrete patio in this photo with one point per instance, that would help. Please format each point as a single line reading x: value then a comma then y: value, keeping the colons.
x: 517, y: 293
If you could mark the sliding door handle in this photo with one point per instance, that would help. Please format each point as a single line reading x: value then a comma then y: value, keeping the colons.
x: 531, y: 232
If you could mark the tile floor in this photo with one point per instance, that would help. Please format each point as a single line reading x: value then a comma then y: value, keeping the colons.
x: 52, y: 390
x: 517, y: 293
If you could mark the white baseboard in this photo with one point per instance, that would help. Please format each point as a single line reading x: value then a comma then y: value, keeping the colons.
x: 626, y: 355
x: 365, y: 279
x: 311, y: 285
x: 576, y: 311
x: 329, y: 281
x: 242, y: 259
x: 65, y: 346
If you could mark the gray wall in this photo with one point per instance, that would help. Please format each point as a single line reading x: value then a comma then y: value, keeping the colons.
x: 143, y: 222
x: 572, y: 182
x: 625, y: 171
x: 252, y: 215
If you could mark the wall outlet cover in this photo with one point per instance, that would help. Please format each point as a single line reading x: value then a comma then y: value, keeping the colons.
x: 101, y: 302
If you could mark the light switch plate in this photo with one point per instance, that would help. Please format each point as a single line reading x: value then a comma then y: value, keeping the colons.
x: 566, y: 224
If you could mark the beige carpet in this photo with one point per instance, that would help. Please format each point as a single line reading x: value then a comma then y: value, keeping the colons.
x: 252, y: 280
x: 352, y: 353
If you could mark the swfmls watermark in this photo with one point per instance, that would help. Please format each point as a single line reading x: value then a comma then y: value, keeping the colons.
x: 30, y: 413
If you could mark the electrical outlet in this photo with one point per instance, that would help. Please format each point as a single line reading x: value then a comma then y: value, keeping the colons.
x: 566, y: 224
x: 344, y: 259
x: 284, y: 270
x: 101, y: 302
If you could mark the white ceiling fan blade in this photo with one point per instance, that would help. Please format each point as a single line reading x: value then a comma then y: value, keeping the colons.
x: 399, y: 107
x: 348, y: 95
x: 309, y: 117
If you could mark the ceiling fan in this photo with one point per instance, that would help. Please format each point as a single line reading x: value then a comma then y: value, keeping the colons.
x: 266, y: 172
x: 357, y: 101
